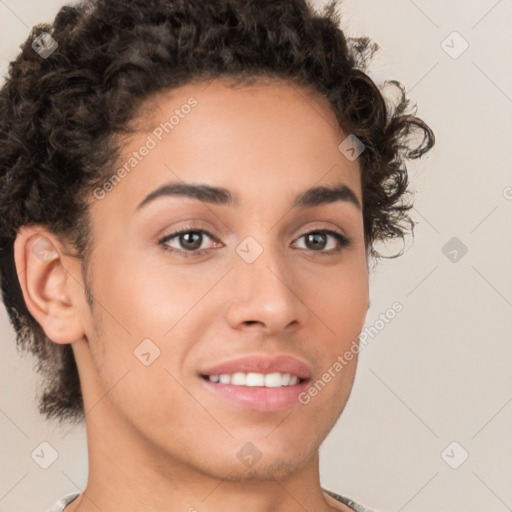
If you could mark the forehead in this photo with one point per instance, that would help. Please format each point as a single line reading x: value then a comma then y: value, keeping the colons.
x: 269, y: 137
x: 239, y: 93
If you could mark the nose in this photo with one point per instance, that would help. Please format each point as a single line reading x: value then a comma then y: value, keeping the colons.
x: 265, y: 296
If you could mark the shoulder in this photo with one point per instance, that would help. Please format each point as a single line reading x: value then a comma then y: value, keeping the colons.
x: 60, y: 504
x: 356, y: 507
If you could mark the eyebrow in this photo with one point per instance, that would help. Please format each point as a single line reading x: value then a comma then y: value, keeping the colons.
x: 311, y: 197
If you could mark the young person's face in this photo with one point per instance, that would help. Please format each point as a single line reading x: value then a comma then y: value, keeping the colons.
x: 258, y: 289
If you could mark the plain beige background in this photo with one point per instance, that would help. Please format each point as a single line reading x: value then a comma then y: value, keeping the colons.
x: 440, y: 371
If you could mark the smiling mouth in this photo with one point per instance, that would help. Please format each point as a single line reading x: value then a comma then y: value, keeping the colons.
x: 253, y: 379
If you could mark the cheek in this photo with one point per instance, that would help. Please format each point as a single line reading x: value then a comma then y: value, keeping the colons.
x: 145, y: 307
x: 149, y: 396
x: 134, y: 310
x: 339, y: 298
x: 144, y: 298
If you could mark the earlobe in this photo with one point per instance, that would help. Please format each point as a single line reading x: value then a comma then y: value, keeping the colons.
x: 48, y: 288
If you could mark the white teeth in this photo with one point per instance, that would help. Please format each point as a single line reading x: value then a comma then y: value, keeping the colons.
x: 273, y: 380
x: 251, y: 379
x: 254, y: 379
x: 225, y: 378
x: 238, y: 379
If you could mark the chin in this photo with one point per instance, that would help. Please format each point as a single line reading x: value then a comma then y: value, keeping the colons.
x: 279, y: 469
x: 270, y: 466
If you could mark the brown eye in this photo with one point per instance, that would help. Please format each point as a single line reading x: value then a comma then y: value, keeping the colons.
x: 317, y: 241
x: 191, y: 240
x: 186, y: 241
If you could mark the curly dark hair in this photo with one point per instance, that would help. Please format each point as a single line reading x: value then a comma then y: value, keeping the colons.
x: 61, y: 115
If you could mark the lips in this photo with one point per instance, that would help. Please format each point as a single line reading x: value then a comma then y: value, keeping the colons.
x: 261, y: 364
x: 259, y: 382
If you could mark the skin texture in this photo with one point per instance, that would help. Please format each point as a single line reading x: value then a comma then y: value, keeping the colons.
x: 158, y: 439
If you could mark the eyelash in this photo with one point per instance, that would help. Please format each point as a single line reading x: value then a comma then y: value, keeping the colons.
x: 342, y: 240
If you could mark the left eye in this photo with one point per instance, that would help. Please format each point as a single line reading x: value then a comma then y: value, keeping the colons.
x: 190, y: 241
x: 319, y: 238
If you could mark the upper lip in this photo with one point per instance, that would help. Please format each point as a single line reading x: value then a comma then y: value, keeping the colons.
x: 262, y: 364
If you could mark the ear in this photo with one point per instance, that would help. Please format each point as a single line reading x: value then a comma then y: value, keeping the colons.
x: 51, y: 282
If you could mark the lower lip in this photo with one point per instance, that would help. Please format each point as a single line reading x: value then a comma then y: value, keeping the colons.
x: 259, y: 398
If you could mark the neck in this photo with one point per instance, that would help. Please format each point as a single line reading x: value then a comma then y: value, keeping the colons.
x: 130, y: 477
x: 128, y: 472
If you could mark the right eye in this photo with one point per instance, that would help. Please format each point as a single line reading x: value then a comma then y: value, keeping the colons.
x: 188, y: 239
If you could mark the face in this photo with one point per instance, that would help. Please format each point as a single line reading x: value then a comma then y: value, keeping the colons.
x: 217, y: 308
